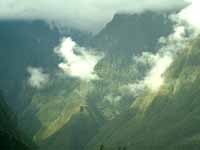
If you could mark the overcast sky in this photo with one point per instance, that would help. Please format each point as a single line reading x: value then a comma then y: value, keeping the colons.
x: 89, y: 15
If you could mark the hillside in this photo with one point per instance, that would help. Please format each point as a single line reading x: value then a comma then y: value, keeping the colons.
x: 168, y: 119
x: 100, y: 75
x: 123, y: 38
x: 24, y: 44
x: 55, y: 114
x: 129, y: 34
x: 70, y: 119
x: 10, y: 137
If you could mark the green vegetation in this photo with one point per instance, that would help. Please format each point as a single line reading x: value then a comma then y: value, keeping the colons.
x: 10, y: 137
x: 68, y: 113
x: 72, y: 114
x: 167, y: 120
x: 132, y: 34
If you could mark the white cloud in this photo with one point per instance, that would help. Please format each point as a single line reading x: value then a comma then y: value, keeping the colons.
x: 135, y: 89
x: 89, y: 15
x: 146, y: 58
x: 78, y: 62
x: 188, y: 19
x: 154, y: 78
x: 191, y: 14
x: 37, y: 78
x: 170, y: 45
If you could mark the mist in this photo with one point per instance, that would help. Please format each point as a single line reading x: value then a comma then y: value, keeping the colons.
x: 89, y: 15
x: 78, y: 61
x: 186, y: 28
x: 37, y: 78
x: 191, y: 15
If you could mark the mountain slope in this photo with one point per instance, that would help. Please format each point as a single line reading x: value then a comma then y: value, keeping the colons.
x: 129, y: 34
x: 64, y: 119
x: 167, y: 120
x: 24, y: 44
x: 125, y: 37
x: 10, y: 137
x: 75, y: 134
x: 55, y: 110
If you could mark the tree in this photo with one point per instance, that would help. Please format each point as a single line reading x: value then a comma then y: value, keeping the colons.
x: 119, y: 148
x: 101, y: 147
x: 124, y: 148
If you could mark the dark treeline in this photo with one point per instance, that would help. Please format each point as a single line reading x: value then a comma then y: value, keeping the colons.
x: 102, y: 147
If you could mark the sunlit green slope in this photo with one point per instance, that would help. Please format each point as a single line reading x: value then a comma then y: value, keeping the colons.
x: 53, y: 116
x: 62, y: 117
x: 168, y: 119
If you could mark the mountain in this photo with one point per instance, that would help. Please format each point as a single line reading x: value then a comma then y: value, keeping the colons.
x: 125, y: 37
x: 70, y: 125
x: 24, y: 44
x: 10, y: 137
x: 79, y: 130
x: 69, y: 112
x: 129, y: 34
x: 168, y: 119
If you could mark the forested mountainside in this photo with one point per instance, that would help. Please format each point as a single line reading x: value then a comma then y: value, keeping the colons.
x: 133, y: 33
x: 10, y: 137
x: 127, y: 36
x: 70, y: 113
x: 167, y: 120
x: 69, y: 109
x: 23, y: 44
x: 100, y: 75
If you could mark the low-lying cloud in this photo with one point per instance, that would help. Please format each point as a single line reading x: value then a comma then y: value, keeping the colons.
x: 77, y: 61
x: 37, y: 78
x: 89, y: 15
x: 191, y: 14
x: 154, y: 78
x: 186, y: 28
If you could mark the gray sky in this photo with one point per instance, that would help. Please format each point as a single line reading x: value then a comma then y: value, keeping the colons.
x: 89, y: 15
